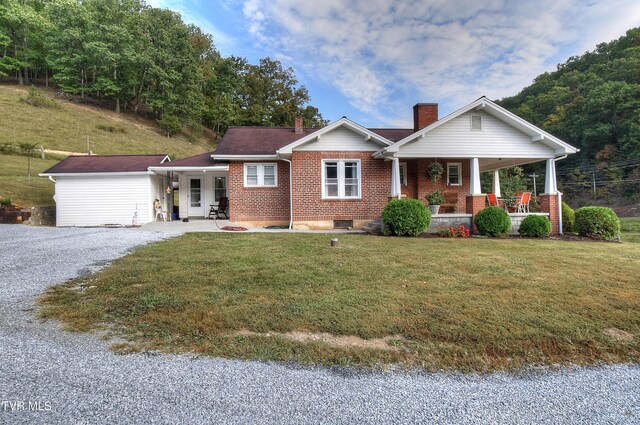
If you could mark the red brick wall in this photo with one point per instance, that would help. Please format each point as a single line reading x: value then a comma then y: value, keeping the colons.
x: 419, y: 184
x: 549, y: 204
x: 258, y: 203
x: 307, y: 188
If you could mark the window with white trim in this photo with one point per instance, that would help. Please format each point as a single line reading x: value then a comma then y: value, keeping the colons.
x: 403, y: 173
x: 260, y: 175
x: 454, y: 173
x: 341, y: 179
x: 476, y: 122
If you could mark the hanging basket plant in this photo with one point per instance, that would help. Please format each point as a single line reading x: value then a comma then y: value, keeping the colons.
x: 435, y: 171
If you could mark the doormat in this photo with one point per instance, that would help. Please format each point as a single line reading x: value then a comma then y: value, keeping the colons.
x: 234, y: 228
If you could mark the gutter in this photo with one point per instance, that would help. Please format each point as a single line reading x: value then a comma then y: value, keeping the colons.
x: 290, y: 189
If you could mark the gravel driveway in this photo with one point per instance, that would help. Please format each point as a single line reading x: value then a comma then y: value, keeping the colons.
x: 74, y: 378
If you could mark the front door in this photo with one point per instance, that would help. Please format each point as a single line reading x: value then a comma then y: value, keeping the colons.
x: 195, y: 199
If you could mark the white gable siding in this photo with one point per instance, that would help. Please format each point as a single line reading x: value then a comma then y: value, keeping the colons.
x: 95, y: 201
x: 340, y: 140
x: 455, y: 139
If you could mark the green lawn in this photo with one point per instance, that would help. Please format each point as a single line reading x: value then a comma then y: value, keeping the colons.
x: 472, y: 304
x: 630, y: 229
x: 25, y: 192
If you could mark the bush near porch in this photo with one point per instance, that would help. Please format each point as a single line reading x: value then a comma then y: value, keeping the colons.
x: 472, y: 304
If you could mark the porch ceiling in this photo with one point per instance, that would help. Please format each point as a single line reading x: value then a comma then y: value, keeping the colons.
x: 487, y: 164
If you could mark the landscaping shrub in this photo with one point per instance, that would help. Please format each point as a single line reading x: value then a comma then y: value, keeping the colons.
x: 7, y: 148
x: 5, y: 201
x: 535, y: 226
x: 597, y: 223
x: 492, y: 221
x: 37, y: 99
x: 568, y: 218
x: 170, y: 124
x: 405, y: 217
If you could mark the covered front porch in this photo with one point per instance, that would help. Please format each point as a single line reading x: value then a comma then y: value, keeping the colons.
x: 460, y: 185
x: 195, y: 186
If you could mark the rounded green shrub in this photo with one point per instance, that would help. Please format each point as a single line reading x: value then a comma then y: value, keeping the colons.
x: 568, y: 218
x: 492, y: 221
x: 597, y: 223
x: 405, y: 217
x: 170, y: 124
x: 535, y: 226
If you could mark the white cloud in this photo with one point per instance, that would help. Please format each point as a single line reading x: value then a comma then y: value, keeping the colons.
x: 384, y: 55
x: 222, y: 41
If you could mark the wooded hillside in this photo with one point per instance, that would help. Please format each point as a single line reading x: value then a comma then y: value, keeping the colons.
x: 146, y: 60
x: 592, y: 102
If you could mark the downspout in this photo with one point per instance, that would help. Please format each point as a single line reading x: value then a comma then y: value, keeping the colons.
x: 290, y: 189
x: 52, y: 179
x: 559, y: 194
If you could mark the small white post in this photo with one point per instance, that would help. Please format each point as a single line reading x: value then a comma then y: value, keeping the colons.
x: 475, y: 177
x: 496, y: 183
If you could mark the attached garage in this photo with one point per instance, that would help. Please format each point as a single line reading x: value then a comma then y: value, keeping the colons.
x: 102, y: 190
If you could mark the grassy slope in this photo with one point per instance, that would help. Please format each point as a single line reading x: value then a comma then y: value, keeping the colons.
x: 67, y: 129
x: 25, y: 192
x: 476, y: 304
x: 630, y: 229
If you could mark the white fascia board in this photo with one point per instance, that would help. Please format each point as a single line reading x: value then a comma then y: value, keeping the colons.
x: 244, y: 157
x: 104, y: 174
x: 178, y: 169
x: 537, y: 134
x: 420, y: 133
x: 342, y: 122
x: 468, y: 156
x: 166, y: 158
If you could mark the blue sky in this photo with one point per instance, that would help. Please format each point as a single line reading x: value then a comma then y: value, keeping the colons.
x: 372, y: 60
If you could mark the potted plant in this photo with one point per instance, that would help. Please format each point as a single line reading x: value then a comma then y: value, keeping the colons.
x: 509, y: 199
x: 435, y: 171
x: 435, y: 199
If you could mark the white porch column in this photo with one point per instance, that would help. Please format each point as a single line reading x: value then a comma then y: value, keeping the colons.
x: 496, y: 183
x: 475, y: 177
x: 550, y: 177
x: 395, y: 178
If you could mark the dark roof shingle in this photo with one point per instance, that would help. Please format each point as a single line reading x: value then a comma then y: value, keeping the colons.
x: 266, y: 140
x: 105, y: 164
x: 202, y: 160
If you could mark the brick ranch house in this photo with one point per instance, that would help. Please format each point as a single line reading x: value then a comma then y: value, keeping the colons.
x: 344, y: 173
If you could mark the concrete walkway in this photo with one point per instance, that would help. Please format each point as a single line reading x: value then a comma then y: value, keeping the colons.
x: 206, y: 225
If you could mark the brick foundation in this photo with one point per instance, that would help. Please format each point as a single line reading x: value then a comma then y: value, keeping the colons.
x: 549, y: 204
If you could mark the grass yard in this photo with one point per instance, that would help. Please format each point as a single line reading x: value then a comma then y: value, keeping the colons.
x: 630, y: 229
x: 25, y: 192
x: 473, y: 304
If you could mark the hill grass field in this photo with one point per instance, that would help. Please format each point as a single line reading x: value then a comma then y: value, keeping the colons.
x: 72, y: 127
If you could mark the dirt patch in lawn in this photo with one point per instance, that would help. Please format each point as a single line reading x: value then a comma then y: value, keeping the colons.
x: 618, y: 334
x: 338, y: 341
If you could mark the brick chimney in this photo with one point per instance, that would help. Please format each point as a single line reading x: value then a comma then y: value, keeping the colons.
x: 424, y: 114
x: 299, y: 124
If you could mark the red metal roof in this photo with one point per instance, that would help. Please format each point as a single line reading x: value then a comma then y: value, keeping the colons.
x: 106, y: 164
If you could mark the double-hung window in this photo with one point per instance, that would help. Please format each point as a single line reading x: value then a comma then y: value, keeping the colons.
x: 454, y: 173
x: 260, y: 175
x: 341, y: 179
